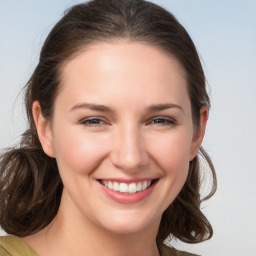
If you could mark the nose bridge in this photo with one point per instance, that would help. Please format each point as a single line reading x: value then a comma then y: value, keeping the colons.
x: 128, y: 152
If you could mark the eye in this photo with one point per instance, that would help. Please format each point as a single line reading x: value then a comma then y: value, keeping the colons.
x: 162, y: 121
x: 93, y: 122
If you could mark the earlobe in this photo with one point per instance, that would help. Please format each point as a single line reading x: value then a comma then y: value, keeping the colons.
x: 43, y: 129
x: 199, y: 133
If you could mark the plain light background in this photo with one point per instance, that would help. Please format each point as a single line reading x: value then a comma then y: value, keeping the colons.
x: 224, y: 33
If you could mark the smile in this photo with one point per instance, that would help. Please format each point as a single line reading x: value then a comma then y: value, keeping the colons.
x: 128, y: 192
x: 127, y: 188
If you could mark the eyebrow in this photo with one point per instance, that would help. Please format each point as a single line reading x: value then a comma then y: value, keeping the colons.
x: 103, y: 108
x: 159, y: 107
x: 95, y: 107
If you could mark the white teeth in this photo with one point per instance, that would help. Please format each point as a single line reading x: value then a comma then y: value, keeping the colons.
x: 115, y: 186
x: 127, y: 188
x: 139, y: 186
x: 109, y: 184
x: 132, y: 188
x: 144, y: 185
x: 123, y: 187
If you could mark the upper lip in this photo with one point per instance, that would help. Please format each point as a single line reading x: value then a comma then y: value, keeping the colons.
x: 128, y: 181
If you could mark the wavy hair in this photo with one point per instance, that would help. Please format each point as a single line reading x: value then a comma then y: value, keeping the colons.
x: 30, y: 184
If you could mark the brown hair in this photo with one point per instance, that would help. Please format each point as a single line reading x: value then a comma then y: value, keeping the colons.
x: 30, y: 184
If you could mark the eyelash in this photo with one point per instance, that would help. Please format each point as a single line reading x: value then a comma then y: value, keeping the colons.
x: 97, y: 121
x: 162, y: 121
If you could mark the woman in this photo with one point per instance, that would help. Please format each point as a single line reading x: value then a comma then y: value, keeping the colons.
x: 117, y: 110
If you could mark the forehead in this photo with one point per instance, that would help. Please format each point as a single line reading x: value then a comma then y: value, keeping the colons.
x: 122, y: 52
x: 122, y: 69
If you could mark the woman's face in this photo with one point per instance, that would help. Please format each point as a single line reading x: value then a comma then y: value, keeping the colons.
x: 122, y: 135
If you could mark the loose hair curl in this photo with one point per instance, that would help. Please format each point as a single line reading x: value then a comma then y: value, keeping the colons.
x: 30, y: 185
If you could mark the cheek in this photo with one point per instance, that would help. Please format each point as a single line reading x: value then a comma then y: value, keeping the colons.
x: 78, y: 153
x: 171, y: 151
x: 171, y: 156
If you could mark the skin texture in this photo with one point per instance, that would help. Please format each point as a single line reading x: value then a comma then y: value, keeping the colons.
x: 129, y: 138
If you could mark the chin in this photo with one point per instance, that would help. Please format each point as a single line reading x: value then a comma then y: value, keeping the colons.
x: 130, y: 223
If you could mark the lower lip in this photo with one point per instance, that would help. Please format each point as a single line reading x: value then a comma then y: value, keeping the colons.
x: 126, y: 198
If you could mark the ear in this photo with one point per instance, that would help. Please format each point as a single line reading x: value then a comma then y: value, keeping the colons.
x: 43, y: 129
x: 199, y: 133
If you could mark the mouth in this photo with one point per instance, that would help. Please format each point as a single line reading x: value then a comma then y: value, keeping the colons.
x: 128, y: 188
x: 128, y: 191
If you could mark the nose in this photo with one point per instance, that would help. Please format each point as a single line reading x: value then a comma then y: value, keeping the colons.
x: 128, y: 150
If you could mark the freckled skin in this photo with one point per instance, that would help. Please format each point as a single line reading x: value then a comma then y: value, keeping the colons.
x: 126, y: 142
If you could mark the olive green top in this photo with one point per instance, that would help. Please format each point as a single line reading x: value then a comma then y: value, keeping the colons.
x: 14, y: 246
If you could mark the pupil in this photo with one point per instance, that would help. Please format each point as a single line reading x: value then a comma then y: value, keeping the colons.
x: 94, y: 121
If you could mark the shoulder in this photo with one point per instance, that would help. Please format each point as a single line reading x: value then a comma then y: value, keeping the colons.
x: 170, y: 251
x: 14, y: 246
